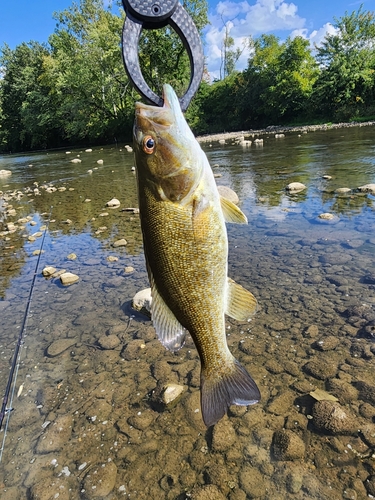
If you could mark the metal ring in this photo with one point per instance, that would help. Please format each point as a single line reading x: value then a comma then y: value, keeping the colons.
x: 181, y: 22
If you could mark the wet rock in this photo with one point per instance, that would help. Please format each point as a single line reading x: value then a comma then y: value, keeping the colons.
x: 109, y: 341
x: 320, y: 369
x: 336, y: 258
x: 343, y: 390
x: 370, y: 486
x: 282, y: 404
x: 343, y: 190
x: 217, y: 474
x: 100, y: 480
x: 59, y: 346
x: 171, y: 395
x: 57, y: 274
x: 287, y: 445
x: 330, y: 417
x: 71, y: 256
x: 294, y: 480
x: 133, y: 349
x: 114, y: 203
x: 5, y: 173
x: 112, y: 258
x: 57, y: 434
x: 326, y: 216
x: 142, y: 301
x: 253, y: 482
x: 311, y: 331
x: 228, y: 193
x: 367, y: 188
x: 142, y: 420
x: 129, y: 270
x: 207, y: 492
x: 48, y: 271
x: 367, y: 411
x: 68, y: 278
x: 76, y: 160
x: 295, y: 187
x: 223, y: 435
x: 100, y: 162
x: 120, y: 243
x: 327, y: 343
x: 99, y: 410
x: 366, y: 392
x: 313, y: 279
x: 53, y: 487
x: 368, y: 434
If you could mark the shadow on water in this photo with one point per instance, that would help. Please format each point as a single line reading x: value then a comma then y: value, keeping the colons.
x: 85, y: 424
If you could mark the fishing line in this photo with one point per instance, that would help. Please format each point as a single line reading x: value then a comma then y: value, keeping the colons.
x: 9, y: 391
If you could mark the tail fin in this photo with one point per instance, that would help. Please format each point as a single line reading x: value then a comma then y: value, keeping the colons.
x: 218, y: 393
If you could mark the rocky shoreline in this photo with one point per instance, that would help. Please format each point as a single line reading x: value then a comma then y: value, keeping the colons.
x: 280, y: 129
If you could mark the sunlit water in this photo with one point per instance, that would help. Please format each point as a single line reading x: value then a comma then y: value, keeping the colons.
x: 83, y: 422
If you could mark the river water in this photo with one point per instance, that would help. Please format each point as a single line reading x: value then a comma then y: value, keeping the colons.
x: 83, y: 421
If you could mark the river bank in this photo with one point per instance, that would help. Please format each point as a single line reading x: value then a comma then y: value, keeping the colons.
x: 280, y: 129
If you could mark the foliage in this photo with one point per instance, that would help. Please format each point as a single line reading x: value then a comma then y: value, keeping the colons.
x: 74, y: 89
x: 346, y: 85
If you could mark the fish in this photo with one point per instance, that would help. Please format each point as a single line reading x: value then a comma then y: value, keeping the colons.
x: 185, y: 244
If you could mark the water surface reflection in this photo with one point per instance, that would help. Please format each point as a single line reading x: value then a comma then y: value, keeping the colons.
x: 84, y: 423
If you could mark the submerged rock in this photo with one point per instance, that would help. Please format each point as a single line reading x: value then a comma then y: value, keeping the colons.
x: 57, y: 434
x: 49, y: 271
x: 100, y: 480
x: 295, y: 187
x: 114, y: 203
x: 120, y: 243
x: 5, y: 173
x: 287, y: 445
x: 228, y: 193
x: 367, y: 188
x: 142, y: 301
x: 69, y: 278
x: 109, y: 341
x: 223, y: 435
x: 329, y: 416
x: 59, y: 346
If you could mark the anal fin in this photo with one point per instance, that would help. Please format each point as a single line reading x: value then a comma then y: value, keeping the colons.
x: 241, y: 304
x: 169, y: 330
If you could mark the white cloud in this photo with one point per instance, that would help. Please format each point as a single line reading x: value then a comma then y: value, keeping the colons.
x: 244, y: 19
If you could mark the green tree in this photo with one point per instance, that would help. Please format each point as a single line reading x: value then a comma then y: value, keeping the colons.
x: 22, y: 126
x: 86, y: 73
x: 346, y: 86
x: 279, y: 79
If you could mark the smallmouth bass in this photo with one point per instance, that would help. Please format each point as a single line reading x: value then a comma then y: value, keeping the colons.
x: 186, y: 249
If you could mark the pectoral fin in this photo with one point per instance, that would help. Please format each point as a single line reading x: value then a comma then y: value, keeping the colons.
x: 241, y: 304
x: 168, y: 329
x: 231, y: 212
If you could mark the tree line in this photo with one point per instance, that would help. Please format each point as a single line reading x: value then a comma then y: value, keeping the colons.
x: 74, y: 90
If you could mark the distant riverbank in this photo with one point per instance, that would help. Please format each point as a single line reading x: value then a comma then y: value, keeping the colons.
x: 276, y: 129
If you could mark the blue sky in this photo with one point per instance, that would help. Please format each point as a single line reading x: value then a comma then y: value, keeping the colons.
x: 25, y: 20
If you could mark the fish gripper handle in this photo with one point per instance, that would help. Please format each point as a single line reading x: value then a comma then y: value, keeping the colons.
x: 154, y: 14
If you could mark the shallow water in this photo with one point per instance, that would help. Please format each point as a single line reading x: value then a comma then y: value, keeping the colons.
x: 84, y: 423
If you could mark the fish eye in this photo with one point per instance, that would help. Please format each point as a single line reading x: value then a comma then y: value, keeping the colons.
x: 148, y: 144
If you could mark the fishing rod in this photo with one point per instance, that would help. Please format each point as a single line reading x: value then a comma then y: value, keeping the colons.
x: 14, y: 367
